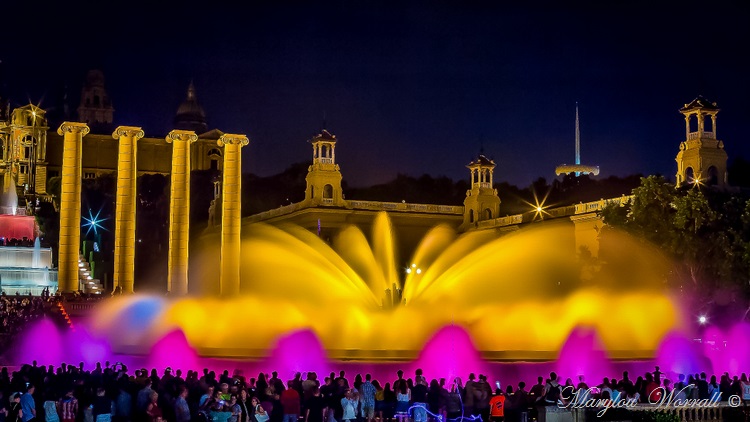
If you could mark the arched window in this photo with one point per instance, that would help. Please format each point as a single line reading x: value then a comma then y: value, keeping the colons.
x: 312, y: 192
x: 327, y: 192
x: 471, y: 216
x: 488, y: 214
x: 96, y: 101
x: 689, y: 175
x: 713, y: 176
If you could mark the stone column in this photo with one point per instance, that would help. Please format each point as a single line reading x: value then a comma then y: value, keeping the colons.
x: 179, y: 211
x: 127, y: 177
x: 231, y: 199
x: 713, y: 125
x: 70, y: 205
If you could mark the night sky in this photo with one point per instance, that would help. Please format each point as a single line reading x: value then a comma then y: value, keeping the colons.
x: 407, y: 87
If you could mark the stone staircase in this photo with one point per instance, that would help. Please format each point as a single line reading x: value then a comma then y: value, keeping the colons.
x: 87, y: 282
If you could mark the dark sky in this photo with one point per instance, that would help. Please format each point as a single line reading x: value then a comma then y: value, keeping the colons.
x: 410, y: 87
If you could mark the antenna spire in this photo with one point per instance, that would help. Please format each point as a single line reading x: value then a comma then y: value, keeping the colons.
x: 577, y: 168
x: 578, y: 138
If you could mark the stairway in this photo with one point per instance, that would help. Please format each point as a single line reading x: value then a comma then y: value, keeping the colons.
x: 86, y: 280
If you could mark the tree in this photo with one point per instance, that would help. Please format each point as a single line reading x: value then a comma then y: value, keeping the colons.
x: 704, y: 231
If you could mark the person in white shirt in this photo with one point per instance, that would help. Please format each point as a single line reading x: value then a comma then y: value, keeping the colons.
x: 349, y: 404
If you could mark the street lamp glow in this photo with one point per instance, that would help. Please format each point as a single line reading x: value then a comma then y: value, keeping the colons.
x: 702, y: 319
x: 408, y: 271
x: 419, y: 271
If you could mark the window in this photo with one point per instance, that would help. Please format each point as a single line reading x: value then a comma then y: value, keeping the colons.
x: 488, y: 214
x: 89, y: 175
x: 327, y: 192
x: 471, y: 216
x: 53, y: 173
x: 23, y: 169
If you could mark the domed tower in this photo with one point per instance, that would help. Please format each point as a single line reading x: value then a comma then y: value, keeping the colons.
x: 482, y: 202
x: 323, y: 176
x: 96, y: 109
x: 190, y: 115
x: 702, y: 158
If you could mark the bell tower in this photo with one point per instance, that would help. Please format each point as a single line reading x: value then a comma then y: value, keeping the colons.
x: 96, y: 109
x: 323, y: 176
x: 702, y: 158
x: 482, y: 202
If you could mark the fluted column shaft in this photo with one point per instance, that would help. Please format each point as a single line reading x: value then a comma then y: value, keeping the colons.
x: 230, y: 213
x: 179, y: 211
x: 70, y: 205
x: 127, y: 177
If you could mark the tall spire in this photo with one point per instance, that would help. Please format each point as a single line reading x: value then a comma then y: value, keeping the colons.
x: 578, y: 139
x: 191, y: 93
x: 577, y: 168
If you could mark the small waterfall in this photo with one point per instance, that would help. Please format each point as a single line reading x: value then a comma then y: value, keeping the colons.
x: 37, y: 257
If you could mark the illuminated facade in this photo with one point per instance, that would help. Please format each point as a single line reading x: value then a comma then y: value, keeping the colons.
x: 702, y: 158
x: 482, y: 202
x: 324, y: 176
x: 24, y: 151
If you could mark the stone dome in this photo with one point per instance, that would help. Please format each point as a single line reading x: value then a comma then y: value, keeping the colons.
x: 190, y: 114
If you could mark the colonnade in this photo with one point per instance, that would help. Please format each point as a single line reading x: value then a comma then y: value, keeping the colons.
x: 125, y: 208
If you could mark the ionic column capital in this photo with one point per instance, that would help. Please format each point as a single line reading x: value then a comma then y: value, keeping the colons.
x: 233, y: 139
x: 128, y: 131
x: 182, y: 135
x: 73, y: 127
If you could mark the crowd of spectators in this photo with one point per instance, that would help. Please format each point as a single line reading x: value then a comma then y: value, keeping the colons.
x: 111, y: 393
x: 17, y: 242
x: 16, y: 311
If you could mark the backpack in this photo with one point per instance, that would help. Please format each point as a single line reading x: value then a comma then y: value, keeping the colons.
x: 553, y: 395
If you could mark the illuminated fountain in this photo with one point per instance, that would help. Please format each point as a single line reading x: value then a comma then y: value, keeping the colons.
x: 517, y: 297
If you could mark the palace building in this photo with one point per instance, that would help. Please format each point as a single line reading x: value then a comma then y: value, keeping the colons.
x: 32, y: 154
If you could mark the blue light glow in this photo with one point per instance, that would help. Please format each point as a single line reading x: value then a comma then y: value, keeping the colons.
x: 93, y: 222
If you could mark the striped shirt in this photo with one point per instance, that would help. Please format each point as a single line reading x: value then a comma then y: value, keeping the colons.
x: 69, y: 408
